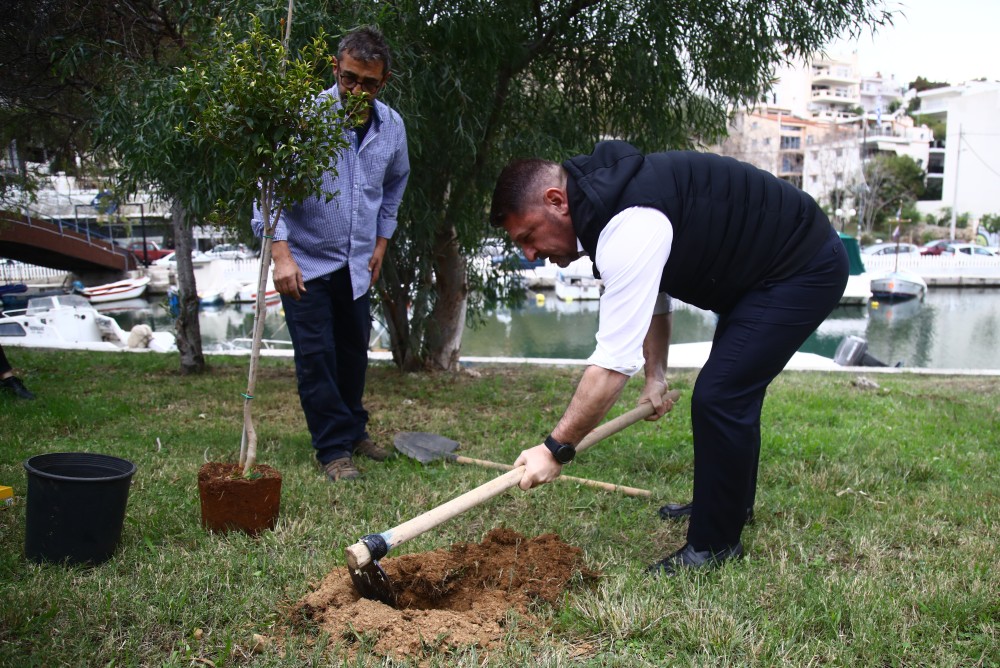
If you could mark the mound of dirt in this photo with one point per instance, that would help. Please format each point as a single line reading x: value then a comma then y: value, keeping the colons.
x: 448, y: 598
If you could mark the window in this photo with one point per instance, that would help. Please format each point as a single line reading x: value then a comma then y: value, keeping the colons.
x: 791, y: 143
x: 11, y: 329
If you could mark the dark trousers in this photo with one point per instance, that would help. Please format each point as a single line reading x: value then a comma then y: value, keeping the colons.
x: 4, y: 364
x: 753, y: 343
x: 329, y: 331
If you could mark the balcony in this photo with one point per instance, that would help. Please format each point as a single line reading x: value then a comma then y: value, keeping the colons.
x: 836, y: 97
x: 826, y: 114
x: 834, y: 75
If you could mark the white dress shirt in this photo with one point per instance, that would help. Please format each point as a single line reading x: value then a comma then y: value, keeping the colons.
x: 631, y: 253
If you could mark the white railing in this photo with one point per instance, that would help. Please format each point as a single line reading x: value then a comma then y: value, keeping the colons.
x: 946, y: 264
x: 12, y: 271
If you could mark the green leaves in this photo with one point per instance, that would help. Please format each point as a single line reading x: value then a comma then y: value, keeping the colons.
x: 242, y: 116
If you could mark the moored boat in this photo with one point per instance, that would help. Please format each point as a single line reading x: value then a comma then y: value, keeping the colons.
x: 899, y: 286
x: 71, y: 322
x: 130, y: 288
x: 577, y: 281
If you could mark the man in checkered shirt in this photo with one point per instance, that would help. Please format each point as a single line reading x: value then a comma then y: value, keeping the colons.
x: 328, y: 255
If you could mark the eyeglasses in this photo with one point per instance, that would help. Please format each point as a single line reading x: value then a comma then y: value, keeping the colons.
x: 350, y: 80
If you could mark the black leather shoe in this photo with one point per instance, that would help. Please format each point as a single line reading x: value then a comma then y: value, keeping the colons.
x: 688, y: 557
x: 14, y: 385
x: 675, y: 511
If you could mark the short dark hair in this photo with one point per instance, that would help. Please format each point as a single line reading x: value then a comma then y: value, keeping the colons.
x: 518, y: 181
x: 366, y: 44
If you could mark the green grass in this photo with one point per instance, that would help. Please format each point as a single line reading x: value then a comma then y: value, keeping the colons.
x: 874, y: 543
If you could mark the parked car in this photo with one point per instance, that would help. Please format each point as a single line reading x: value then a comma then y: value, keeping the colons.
x: 231, y: 252
x: 937, y: 247
x: 150, y: 253
x: 890, y: 248
x: 972, y: 249
x: 170, y: 259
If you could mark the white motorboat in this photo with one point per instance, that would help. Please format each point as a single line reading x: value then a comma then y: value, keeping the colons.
x: 247, y: 293
x: 71, y: 322
x: 577, y: 281
x: 130, y: 288
x: 899, y: 286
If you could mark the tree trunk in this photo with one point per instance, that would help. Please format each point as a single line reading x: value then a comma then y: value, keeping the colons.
x: 187, y: 328
x: 443, y: 337
x: 395, y: 303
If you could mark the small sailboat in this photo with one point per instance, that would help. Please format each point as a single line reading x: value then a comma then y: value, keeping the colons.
x: 898, y: 285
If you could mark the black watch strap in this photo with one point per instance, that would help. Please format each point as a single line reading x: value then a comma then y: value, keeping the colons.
x: 563, y: 452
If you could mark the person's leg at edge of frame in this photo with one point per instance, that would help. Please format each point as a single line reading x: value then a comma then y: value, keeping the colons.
x: 11, y: 383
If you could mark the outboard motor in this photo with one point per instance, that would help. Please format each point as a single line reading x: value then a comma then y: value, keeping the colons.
x: 853, y: 351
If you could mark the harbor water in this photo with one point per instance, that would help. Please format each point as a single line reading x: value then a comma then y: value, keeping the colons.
x: 953, y: 328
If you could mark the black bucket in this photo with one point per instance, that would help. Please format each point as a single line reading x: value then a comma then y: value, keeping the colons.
x: 75, y: 506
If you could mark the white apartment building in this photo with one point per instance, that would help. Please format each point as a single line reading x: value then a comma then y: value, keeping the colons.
x: 879, y: 93
x: 821, y: 121
x: 968, y: 161
x: 822, y: 158
x: 824, y: 88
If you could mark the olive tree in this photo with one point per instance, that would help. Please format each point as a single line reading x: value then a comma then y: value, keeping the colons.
x: 894, y: 182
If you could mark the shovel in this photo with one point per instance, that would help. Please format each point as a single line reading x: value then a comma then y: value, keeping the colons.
x: 426, y: 448
x: 371, y: 581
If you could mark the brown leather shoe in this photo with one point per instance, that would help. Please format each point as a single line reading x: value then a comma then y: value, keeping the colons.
x: 367, y: 448
x: 341, y: 469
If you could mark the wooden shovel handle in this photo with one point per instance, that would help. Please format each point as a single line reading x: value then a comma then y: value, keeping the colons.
x: 359, y: 556
x: 607, y: 486
x: 610, y: 427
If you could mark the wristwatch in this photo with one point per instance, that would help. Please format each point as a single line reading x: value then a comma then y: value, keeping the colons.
x: 563, y: 452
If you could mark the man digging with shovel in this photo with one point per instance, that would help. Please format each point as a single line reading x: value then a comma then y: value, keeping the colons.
x: 713, y: 232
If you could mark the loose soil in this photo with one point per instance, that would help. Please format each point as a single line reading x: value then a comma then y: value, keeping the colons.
x: 449, y: 598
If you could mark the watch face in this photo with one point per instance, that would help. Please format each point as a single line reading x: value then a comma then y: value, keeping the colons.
x: 560, y: 451
x: 564, y: 455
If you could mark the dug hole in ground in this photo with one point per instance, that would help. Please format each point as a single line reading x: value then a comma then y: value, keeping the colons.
x: 448, y: 598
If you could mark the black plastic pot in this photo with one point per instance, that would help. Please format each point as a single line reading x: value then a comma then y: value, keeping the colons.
x: 75, y: 506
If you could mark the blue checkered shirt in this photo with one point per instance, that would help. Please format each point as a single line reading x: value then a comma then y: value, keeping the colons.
x: 324, y: 237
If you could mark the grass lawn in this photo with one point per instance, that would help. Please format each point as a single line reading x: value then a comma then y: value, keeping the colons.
x: 875, y: 540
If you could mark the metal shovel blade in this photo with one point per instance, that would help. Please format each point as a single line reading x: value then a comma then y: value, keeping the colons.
x: 370, y: 580
x: 423, y: 446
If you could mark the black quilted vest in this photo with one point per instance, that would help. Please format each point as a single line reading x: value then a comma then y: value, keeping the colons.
x: 736, y: 227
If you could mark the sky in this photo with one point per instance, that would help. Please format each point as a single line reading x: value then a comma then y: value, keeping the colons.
x: 940, y: 40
